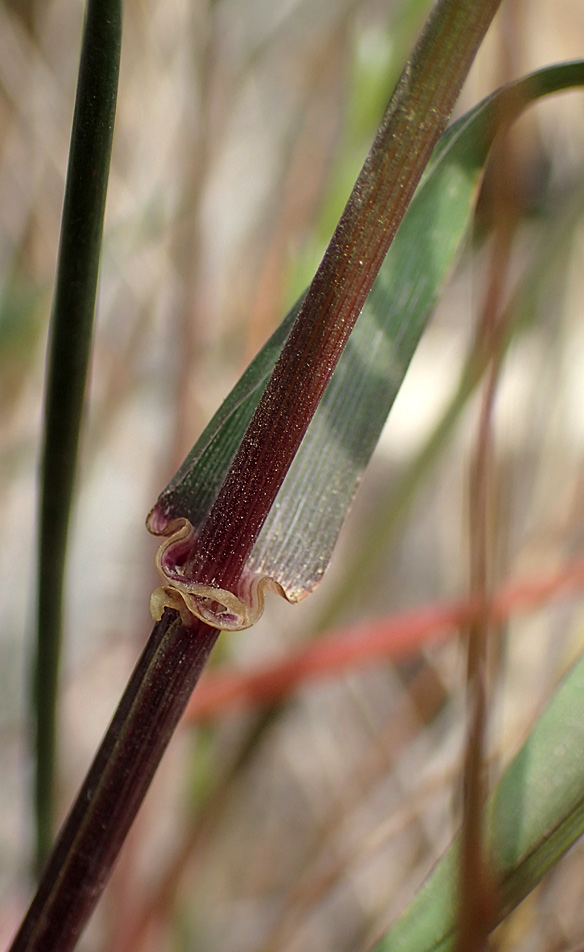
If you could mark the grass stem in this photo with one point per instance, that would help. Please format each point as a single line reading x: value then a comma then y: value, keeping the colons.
x: 117, y: 781
x: 69, y: 349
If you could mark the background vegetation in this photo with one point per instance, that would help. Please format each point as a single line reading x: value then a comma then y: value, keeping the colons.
x: 240, y: 129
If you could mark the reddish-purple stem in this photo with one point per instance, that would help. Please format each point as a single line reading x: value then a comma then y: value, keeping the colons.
x: 175, y: 655
x: 94, y: 831
x: 415, y: 118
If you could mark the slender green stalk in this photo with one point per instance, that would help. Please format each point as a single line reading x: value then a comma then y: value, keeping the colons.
x: 70, y: 344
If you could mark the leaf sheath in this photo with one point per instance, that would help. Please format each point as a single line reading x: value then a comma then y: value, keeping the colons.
x: 93, y: 833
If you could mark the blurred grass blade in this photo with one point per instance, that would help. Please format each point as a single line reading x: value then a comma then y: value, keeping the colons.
x: 69, y: 349
x: 296, y: 542
x: 535, y: 815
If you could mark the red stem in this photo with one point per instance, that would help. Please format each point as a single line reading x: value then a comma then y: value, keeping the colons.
x: 93, y: 833
x: 416, y: 116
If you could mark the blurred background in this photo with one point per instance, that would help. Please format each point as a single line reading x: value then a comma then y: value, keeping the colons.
x: 240, y: 129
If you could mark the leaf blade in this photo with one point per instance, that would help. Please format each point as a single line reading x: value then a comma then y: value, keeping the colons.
x: 297, y: 540
x: 535, y: 815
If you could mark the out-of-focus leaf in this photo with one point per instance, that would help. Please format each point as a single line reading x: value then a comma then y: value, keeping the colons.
x: 296, y: 542
x: 20, y: 301
x: 535, y: 815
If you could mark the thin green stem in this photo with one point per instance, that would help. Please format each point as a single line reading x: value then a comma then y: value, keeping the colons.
x: 69, y: 349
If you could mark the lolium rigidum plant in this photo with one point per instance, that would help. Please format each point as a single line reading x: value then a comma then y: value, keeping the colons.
x: 259, y: 502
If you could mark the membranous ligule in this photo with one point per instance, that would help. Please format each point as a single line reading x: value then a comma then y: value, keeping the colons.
x: 229, y: 611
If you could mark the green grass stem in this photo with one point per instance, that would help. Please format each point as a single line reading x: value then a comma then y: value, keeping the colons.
x: 68, y: 357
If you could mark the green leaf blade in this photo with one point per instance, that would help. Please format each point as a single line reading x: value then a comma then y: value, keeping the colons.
x: 536, y: 814
x: 296, y: 542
